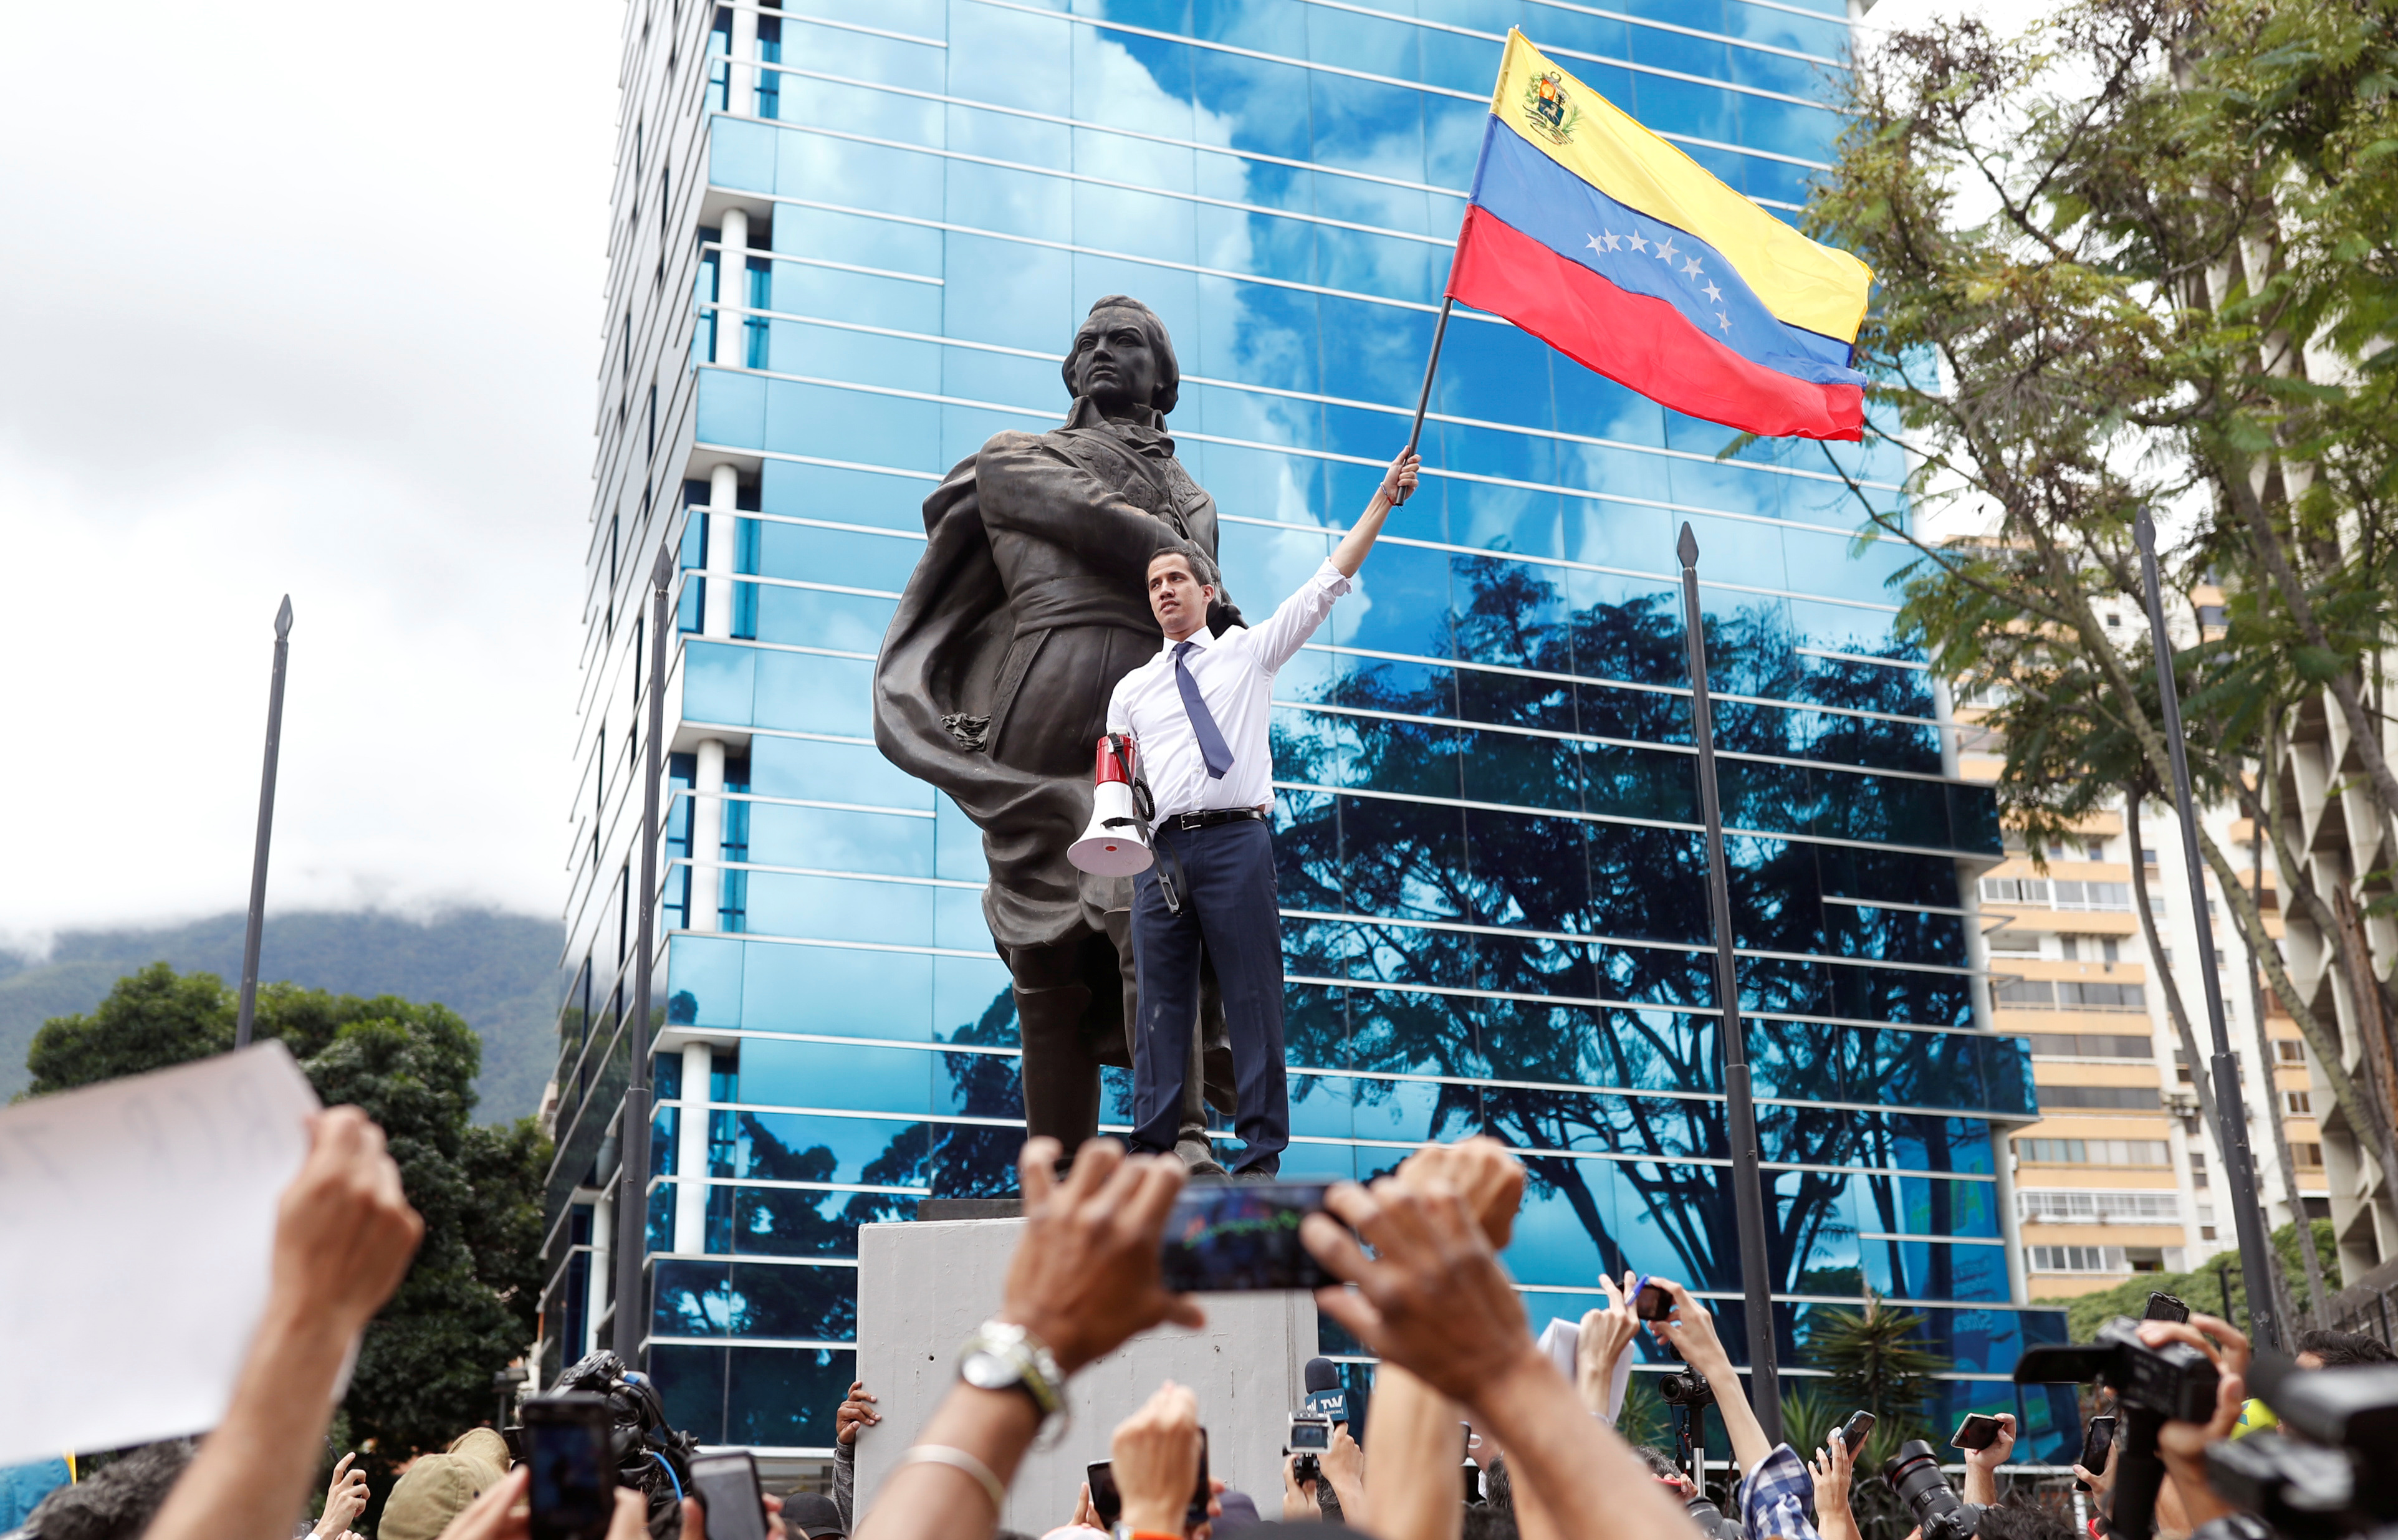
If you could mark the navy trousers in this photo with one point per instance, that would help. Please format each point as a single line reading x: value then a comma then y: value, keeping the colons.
x: 1227, y: 881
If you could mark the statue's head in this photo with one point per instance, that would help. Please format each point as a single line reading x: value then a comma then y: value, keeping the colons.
x: 1122, y: 357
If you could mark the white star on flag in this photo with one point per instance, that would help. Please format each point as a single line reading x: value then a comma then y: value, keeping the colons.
x: 1691, y: 268
x: 1596, y: 249
x: 1724, y: 321
x: 1665, y: 252
x: 1638, y: 243
x: 1714, y: 294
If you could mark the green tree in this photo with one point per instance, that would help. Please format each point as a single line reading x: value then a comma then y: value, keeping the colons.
x: 1875, y: 1360
x: 2146, y: 255
x: 467, y: 1306
x: 2203, y: 1288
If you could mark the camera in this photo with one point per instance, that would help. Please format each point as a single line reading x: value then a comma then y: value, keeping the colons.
x: 649, y: 1456
x: 2336, y: 1477
x: 2176, y: 1381
x: 2301, y: 1490
x: 1687, y: 1388
x: 1915, y: 1473
x: 1310, y: 1435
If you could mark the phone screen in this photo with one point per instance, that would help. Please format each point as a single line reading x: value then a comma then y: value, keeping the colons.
x: 1309, y: 1435
x: 1977, y: 1432
x: 567, y: 1446
x: 1651, y: 1301
x: 2097, y: 1442
x: 1856, y: 1430
x: 1105, y: 1498
x: 726, y: 1486
x: 1196, y: 1514
x: 1232, y: 1237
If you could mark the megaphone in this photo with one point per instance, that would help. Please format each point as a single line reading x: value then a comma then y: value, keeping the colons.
x: 1115, y: 844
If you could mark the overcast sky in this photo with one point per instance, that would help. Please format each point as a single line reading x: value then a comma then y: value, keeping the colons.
x: 302, y: 302
x: 298, y: 301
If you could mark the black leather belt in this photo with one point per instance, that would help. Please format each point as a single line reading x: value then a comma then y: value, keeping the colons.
x: 1211, y: 817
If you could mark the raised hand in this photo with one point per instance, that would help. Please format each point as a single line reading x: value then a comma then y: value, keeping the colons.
x: 1479, y: 1170
x: 1085, y: 1276
x: 1432, y: 1299
x: 1156, y: 1454
x: 856, y: 1412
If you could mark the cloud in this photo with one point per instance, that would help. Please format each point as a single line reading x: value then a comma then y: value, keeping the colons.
x: 303, y: 304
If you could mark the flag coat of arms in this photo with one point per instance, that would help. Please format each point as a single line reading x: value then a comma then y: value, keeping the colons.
x: 1619, y: 251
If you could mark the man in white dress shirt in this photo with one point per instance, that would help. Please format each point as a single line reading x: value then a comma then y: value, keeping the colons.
x: 1199, y: 711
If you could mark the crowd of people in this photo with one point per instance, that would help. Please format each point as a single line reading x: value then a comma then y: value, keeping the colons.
x: 1423, y: 1290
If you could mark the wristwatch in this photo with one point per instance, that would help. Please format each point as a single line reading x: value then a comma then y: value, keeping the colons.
x: 1003, y: 1356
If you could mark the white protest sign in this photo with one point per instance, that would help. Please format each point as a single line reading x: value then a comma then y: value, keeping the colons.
x: 137, y: 1224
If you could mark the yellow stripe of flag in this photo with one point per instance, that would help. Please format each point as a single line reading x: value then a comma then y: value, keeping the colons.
x: 1802, y: 282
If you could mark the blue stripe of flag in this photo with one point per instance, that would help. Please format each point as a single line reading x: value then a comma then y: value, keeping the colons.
x: 1642, y: 255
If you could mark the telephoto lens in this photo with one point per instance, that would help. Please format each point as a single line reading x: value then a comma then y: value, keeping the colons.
x: 1915, y: 1473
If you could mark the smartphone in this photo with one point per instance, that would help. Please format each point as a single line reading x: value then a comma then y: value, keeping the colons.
x: 1650, y: 1301
x: 1977, y: 1432
x: 1242, y: 1236
x: 1855, y: 1431
x: 2165, y: 1307
x: 1105, y: 1499
x: 1196, y: 1514
x: 1109, y: 1502
x: 726, y: 1486
x: 2097, y: 1443
x: 568, y: 1445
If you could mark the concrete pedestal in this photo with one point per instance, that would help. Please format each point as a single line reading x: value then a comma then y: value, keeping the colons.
x: 923, y: 1287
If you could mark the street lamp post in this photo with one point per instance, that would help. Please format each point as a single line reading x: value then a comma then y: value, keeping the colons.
x: 633, y: 1138
x: 2230, y: 1114
x: 1740, y: 1107
x: 255, y: 932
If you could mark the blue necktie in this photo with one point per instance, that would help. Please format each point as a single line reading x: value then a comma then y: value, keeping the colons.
x: 1212, y: 747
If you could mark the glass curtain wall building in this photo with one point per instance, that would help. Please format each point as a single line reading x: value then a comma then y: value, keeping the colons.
x: 853, y: 242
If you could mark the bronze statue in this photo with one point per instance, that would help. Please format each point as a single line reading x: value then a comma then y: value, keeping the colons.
x: 1026, y: 609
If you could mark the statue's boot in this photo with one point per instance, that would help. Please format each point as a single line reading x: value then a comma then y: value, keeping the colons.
x: 1061, y: 1077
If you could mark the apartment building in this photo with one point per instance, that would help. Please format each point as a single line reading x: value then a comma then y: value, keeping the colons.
x: 2120, y: 1175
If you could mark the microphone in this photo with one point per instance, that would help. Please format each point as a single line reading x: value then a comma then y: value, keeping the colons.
x: 1325, y: 1395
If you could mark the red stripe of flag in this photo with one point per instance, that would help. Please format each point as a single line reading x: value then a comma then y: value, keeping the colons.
x: 1638, y: 342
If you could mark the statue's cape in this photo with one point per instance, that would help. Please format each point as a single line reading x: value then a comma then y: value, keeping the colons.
x: 945, y: 667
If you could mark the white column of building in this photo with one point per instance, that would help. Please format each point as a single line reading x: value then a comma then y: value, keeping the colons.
x: 731, y: 283
x: 707, y: 835
x: 724, y: 516
x: 740, y: 74
x: 603, y: 1272
x: 691, y: 1142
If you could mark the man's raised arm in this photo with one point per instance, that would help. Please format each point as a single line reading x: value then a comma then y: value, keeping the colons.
x: 1398, y: 485
x: 1283, y: 633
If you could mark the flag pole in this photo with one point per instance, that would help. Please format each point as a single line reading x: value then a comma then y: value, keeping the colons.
x: 1424, y: 397
x: 1740, y: 1107
x: 255, y: 930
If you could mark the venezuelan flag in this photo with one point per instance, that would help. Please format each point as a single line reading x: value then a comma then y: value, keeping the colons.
x: 1616, y: 249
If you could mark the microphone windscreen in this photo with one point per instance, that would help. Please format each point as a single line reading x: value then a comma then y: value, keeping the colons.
x: 1322, y: 1375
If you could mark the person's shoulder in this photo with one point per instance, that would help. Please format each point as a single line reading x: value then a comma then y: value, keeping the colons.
x: 1133, y: 677
x: 1012, y: 441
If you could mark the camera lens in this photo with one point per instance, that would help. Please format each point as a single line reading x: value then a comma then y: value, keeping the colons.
x: 1914, y: 1473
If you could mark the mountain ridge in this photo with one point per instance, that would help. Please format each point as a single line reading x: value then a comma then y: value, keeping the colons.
x: 495, y: 969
